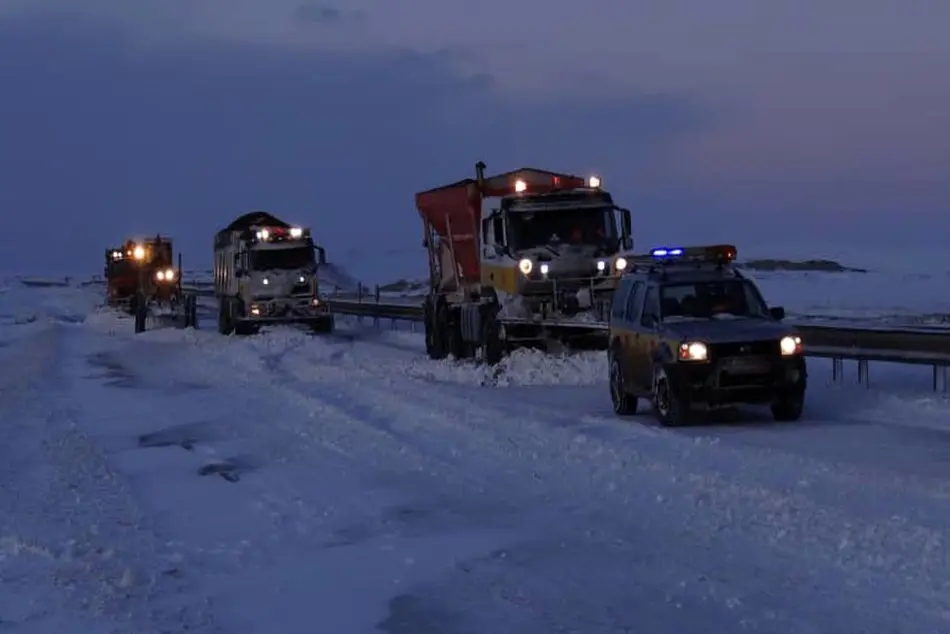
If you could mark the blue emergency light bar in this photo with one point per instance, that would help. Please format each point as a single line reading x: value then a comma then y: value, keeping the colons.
x: 714, y: 253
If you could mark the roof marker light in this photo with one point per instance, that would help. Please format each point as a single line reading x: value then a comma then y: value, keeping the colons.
x: 593, y: 182
x: 520, y: 186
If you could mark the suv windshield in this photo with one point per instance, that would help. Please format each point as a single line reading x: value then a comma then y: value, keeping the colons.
x: 587, y: 226
x: 705, y: 300
x: 290, y: 258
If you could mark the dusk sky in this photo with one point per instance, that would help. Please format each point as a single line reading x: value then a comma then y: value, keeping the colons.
x: 743, y: 120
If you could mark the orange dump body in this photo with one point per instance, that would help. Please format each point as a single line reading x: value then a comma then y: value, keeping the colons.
x: 453, y: 211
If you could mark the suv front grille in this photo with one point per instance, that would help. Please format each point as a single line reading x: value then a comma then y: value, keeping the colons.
x: 743, y: 349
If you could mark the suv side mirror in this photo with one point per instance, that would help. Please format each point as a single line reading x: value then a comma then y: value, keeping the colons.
x: 777, y: 313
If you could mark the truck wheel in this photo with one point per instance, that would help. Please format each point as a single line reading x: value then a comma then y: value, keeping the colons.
x: 323, y: 325
x: 141, y: 314
x: 493, y: 348
x: 225, y: 325
x: 435, y: 320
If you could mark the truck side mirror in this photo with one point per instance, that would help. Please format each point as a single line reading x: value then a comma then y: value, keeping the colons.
x: 499, y: 230
x: 627, y: 243
x: 625, y: 224
x: 777, y: 313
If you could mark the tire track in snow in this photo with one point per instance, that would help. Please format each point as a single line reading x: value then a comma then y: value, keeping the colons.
x: 775, y: 507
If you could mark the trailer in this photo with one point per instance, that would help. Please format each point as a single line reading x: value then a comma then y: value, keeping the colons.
x: 265, y: 272
x: 524, y: 258
x: 143, y: 281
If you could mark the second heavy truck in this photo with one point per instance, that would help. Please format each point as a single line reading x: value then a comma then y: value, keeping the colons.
x: 265, y: 272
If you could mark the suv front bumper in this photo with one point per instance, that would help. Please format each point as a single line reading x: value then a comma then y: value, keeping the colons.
x: 725, y: 382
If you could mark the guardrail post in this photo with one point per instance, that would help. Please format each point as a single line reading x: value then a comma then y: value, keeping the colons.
x: 940, y: 377
x: 837, y: 369
x: 359, y: 300
x: 863, y: 373
x: 376, y: 315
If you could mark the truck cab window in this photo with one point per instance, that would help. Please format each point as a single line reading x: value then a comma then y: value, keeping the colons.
x: 275, y: 259
x: 583, y: 226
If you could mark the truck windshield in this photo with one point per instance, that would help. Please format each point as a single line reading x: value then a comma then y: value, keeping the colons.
x: 289, y: 258
x: 586, y: 226
x: 704, y: 300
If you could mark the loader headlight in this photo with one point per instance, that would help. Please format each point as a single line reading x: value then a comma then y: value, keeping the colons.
x: 790, y: 346
x: 693, y: 351
x: 620, y: 264
x: 526, y: 266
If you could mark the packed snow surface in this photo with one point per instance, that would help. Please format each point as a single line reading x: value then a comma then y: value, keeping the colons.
x: 180, y: 481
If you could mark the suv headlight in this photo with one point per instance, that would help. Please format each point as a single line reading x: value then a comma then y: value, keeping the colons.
x: 526, y: 266
x: 790, y: 346
x: 693, y: 351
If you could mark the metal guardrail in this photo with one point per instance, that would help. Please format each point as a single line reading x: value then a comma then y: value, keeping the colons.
x: 838, y: 343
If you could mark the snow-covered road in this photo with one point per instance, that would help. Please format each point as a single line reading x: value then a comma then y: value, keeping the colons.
x: 181, y: 481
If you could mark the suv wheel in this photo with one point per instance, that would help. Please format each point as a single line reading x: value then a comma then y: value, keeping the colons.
x: 625, y: 404
x: 788, y: 406
x: 670, y: 410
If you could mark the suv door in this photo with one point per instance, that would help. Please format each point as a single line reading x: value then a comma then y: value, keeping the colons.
x: 631, y: 333
x: 646, y: 341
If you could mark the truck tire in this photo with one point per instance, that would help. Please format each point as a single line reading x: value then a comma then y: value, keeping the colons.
x: 225, y: 325
x: 141, y: 313
x: 493, y: 347
x: 323, y: 325
x: 435, y: 318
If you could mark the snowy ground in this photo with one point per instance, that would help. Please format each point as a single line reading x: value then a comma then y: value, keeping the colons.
x: 181, y: 481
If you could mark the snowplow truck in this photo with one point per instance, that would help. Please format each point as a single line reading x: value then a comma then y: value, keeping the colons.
x: 143, y: 280
x: 528, y: 258
x: 265, y: 272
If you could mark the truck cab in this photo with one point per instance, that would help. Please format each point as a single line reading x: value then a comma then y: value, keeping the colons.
x: 266, y: 272
x: 564, y: 247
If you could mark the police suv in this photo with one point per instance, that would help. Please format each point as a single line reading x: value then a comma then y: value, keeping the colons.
x: 688, y: 329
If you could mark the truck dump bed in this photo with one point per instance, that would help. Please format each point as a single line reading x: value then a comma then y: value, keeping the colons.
x: 455, y: 209
x: 248, y: 220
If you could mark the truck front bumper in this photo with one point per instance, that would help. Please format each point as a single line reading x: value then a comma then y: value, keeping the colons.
x: 724, y: 383
x: 287, y: 310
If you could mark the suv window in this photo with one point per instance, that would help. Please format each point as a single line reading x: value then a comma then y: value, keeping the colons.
x: 632, y: 308
x: 619, y: 301
x: 651, y: 308
x: 702, y: 300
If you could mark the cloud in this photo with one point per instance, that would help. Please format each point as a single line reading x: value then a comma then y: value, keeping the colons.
x: 100, y: 144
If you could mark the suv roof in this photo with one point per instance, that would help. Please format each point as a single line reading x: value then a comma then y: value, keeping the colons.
x: 686, y: 264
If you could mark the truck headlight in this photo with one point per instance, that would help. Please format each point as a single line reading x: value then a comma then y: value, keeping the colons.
x: 790, y: 346
x: 160, y: 276
x: 544, y: 269
x: 693, y: 351
x: 169, y: 275
x: 620, y: 264
x: 301, y: 279
x: 601, y: 265
x: 139, y: 253
x: 526, y: 266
